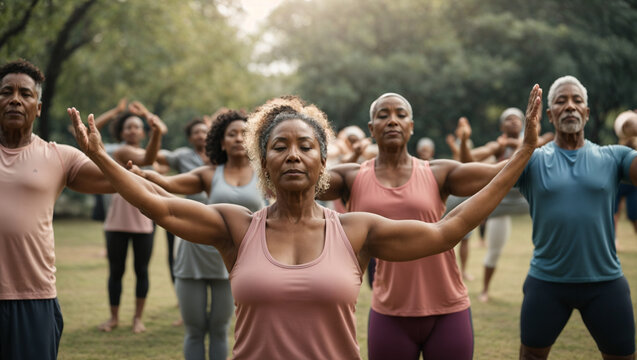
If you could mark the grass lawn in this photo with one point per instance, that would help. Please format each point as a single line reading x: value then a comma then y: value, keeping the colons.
x: 82, y: 274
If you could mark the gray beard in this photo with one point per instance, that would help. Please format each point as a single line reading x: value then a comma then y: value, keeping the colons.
x: 571, y: 128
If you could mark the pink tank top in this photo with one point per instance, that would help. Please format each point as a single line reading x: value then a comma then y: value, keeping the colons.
x: 302, y: 311
x: 428, y: 286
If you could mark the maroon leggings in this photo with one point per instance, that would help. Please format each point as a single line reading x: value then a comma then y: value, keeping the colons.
x: 447, y: 336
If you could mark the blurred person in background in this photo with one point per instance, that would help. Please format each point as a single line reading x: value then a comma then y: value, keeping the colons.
x: 183, y: 160
x: 124, y: 223
x: 627, y: 193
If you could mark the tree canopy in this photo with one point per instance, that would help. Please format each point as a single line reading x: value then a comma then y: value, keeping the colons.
x: 457, y: 58
x: 451, y: 58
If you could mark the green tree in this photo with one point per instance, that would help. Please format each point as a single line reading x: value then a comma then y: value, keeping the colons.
x: 181, y: 59
x: 454, y: 58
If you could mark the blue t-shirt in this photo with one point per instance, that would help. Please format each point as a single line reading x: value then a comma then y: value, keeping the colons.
x: 571, y: 195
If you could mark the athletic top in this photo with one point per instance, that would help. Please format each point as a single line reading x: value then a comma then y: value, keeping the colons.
x: 198, y: 261
x: 428, y: 286
x: 183, y: 160
x: 571, y: 195
x: 122, y: 216
x: 31, y: 179
x: 304, y: 311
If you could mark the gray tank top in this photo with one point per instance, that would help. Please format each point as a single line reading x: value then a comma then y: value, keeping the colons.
x: 197, y: 261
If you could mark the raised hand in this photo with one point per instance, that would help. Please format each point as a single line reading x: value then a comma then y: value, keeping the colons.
x: 138, y: 109
x: 533, y: 117
x: 121, y: 105
x: 88, y: 139
x: 135, y: 169
x: 505, y: 141
x: 157, y: 124
x: 463, y: 129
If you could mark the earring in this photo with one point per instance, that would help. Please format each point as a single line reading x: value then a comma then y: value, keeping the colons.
x: 268, y: 182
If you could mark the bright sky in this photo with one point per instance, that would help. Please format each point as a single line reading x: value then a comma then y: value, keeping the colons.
x: 256, y: 12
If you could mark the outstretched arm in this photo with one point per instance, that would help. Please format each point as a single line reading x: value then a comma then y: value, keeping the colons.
x: 409, y: 240
x: 341, y: 178
x: 192, y: 182
x: 188, y: 219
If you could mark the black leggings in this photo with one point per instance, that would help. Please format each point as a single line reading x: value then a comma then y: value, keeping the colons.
x: 117, y: 247
x: 605, y: 307
x: 170, y: 237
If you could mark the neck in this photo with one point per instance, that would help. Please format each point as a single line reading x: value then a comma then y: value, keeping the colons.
x: 199, y: 149
x: 135, y: 145
x: 513, y: 136
x: 295, y: 206
x: 237, y: 162
x: 570, y: 141
x: 16, y: 138
x: 393, y: 157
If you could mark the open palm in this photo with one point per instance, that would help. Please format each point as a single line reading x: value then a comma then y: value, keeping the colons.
x: 88, y: 139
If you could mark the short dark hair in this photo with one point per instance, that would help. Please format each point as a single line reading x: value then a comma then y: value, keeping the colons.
x: 217, y: 132
x: 191, y: 124
x: 118, y: 125
x: 22, y: 66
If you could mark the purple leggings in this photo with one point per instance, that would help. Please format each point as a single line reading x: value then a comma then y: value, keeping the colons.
x: 447, y: 336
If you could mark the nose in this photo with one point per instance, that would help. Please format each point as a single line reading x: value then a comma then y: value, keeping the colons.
x: 393, y: 120
x: 240, y: 137
x: 293, y: 154
x: 570, y: 105
x: 15, y: 98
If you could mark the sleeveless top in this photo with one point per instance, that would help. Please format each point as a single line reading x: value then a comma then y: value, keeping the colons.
x: 183, y: 160
x: 304, y: 311
x: 199, y: 261
x: 428, y: 286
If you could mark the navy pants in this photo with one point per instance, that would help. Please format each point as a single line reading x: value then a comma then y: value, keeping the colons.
x: 30, y: 329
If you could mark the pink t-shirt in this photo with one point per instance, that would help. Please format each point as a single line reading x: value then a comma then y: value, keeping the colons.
x: 302, y: 311
x: 124, y: 217
x: 428, y: 286
x: 31, y: 179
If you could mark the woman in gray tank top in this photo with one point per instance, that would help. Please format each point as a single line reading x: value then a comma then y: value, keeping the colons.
x: 229, y: 179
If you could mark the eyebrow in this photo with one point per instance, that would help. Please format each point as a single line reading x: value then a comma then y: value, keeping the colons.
x: 387, y: 109
x: 301, y: 138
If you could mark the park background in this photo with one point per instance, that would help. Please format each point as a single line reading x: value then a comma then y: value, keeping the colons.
x: 183, y: 59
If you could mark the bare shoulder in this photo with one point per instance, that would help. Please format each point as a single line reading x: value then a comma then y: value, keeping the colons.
x: 346, y: 168
x: 442, y: 167
x: 237, y: 219
x: 356, y: 226
x: 443, y: 163
x: 232, y: 212
x: 205, y: 170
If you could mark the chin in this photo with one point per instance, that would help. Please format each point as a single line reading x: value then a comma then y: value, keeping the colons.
x: 571, y: 128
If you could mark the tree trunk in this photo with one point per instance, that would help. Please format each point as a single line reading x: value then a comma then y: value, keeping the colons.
x: 20, y: 26
x: 60, y: 52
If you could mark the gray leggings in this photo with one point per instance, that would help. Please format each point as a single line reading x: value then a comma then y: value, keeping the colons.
x: 198, y: 320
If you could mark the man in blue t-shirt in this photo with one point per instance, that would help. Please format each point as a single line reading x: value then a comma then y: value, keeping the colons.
x: 570, y: 185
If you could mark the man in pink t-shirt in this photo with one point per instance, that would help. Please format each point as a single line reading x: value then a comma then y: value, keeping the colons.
x: 33, y: 173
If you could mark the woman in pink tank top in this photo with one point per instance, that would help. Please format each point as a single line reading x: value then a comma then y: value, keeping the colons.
x: 424, y: 299
x: 296, y: 267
